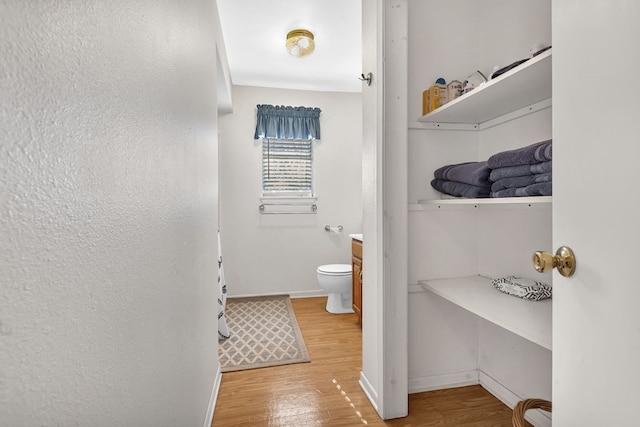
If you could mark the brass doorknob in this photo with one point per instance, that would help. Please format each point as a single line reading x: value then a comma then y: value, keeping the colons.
x: 564, y: 260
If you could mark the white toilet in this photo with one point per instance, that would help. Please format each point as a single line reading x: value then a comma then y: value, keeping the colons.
x: 336, y: 280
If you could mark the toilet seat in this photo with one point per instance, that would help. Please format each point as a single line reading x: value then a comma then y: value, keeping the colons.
x: 335, y: 269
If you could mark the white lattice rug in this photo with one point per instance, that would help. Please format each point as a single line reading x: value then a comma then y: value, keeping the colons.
x: 264, y: 332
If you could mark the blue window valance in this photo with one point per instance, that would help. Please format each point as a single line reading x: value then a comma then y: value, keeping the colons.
x: 287, y: 122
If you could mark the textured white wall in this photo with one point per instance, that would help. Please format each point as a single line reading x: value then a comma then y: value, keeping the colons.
x: 267, y: 254
x: 108, y: 212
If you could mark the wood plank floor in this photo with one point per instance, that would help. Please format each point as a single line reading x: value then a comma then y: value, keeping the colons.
x: 325, y: 392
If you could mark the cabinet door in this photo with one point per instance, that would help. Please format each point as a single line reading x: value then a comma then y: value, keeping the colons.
x: 596, y: 211
x: 356, y: 280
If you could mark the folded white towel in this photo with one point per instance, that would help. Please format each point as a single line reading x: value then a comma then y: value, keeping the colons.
x: 523, y: 288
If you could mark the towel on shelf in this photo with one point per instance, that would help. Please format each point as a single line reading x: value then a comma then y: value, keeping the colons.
x: 472, y: 173
x: 520, y: 170
x: 460, y: 189
x: 523, y: 288
x: 535, y: 153
x: 538, y: 189
x: 520, y: 181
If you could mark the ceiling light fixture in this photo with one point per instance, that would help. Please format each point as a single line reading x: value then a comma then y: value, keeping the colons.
x: 300, y: 43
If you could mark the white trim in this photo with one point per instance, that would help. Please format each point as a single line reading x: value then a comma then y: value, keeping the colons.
x: 292, y: 294
x: 308, y: 294
x: 369, y: 391
x: 391, y: 328
x: 208, y: 418
x: 536, y: 417
x: 443, y: 381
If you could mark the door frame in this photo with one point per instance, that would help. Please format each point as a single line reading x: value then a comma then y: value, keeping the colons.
x: 384, y: 376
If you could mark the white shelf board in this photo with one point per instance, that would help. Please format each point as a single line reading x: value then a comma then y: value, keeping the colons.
x: 489, y: 201
x: 518, y: 88
x: 528, y: 319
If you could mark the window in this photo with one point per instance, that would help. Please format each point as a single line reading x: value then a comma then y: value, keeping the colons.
x: 287, y: 167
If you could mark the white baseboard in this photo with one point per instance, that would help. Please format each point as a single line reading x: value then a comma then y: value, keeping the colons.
x: 208, y: 419
x: 460, y: 379
x: 536, y: 417
x: 442, y: 381
x: 296, y: 294
x: 369, y: 391
x: 308, y: 294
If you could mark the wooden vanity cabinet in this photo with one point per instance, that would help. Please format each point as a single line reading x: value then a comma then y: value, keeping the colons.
x: 356, y: 277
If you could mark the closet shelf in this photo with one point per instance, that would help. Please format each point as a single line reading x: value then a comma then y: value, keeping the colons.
x: 488, y: 201
x: 518, y: 88
x: 528, y: 319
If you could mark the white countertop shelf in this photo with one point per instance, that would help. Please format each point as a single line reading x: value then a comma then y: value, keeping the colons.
x: 528, y: 319
x: 525, y: 85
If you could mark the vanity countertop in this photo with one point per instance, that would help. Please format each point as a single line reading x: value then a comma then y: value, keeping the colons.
x: 356, y: 236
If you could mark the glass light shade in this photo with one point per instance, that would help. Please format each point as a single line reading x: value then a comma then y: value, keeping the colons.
x: 300, y: 43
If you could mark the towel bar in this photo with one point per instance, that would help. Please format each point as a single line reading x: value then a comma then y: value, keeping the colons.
x: 264, y: 211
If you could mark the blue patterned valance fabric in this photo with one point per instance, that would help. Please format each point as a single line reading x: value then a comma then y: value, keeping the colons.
x: 283, y: 122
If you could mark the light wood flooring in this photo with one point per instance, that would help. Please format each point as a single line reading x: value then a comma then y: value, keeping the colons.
x: 325, y: 392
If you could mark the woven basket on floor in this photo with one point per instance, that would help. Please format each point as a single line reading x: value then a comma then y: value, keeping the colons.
x: 526, y: 404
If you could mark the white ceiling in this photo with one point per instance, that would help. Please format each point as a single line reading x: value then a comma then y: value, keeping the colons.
x: 254, y: 36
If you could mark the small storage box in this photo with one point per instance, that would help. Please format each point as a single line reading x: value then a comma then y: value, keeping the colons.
x: 433, y: 98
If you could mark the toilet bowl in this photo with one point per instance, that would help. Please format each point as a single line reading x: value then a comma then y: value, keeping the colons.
x: 336, y: 280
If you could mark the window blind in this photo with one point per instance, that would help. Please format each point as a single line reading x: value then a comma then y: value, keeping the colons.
x: 287, y: 167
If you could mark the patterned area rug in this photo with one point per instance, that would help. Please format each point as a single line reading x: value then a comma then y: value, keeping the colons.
x: 264, y: 332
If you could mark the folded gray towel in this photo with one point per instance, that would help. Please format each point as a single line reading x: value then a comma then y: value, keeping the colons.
x: 531, y: 154
x: 473, y: 173
x: 544, y: 152
x: 460, y: 189
x: 538, y: 189
x: 521, y: 170
x: 519, y: 181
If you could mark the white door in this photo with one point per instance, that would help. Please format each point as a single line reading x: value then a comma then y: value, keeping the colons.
x: 596, y: 211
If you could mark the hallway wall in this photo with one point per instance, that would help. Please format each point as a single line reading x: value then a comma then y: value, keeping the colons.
x: 108, y: 212
x: 271, y: 254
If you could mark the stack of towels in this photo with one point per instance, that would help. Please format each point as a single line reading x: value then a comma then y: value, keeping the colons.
x: 516, y: 173
x: 469, y: 180
x: 521, y: 172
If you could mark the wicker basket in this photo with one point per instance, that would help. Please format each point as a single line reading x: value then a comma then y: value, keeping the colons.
x: 526, y: 404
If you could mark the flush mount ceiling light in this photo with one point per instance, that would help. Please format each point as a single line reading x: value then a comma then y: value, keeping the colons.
x: 300, y: 43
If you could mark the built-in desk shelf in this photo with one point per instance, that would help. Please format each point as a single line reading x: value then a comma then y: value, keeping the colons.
x: 523, y: 86
x: 528, y: 319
